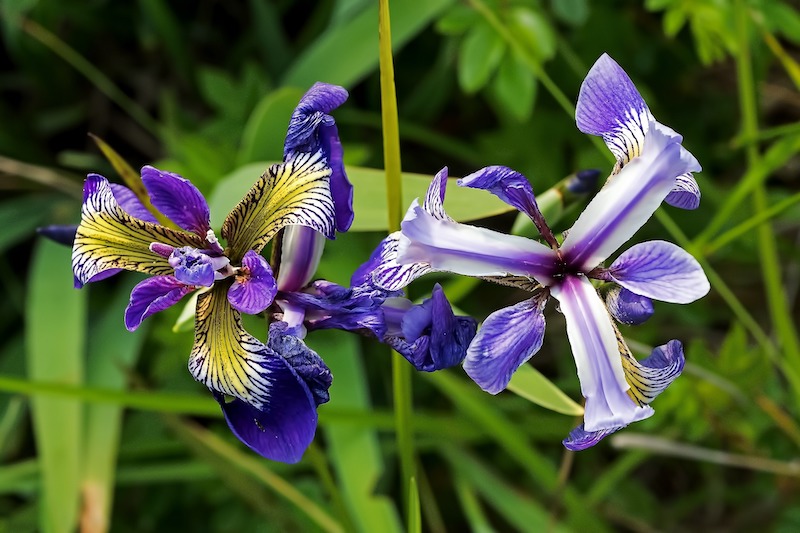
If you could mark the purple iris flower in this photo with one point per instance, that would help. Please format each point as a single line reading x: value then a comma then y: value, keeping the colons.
x: 268, y: 392
x: 618, y: 388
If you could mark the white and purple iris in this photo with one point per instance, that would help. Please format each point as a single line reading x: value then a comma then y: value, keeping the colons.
x: 652, y: 166
x: 268, y: 392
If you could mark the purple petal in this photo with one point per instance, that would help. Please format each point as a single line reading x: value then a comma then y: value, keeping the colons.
x: 254, y: 288
x: 685, y: 194
x: 610, y: 106
x: 131, y: 204
x: 310, y: 113
x: 62, y: 234
x: 305, y: 361
x: 597, y: 357
x: 100, y: 276
x: 341, y: 188
x: 301, y: 250
x: 583, y: 181
x: 151, y: 296
x: 580, y: 439
x: 382, y: 268
x: 433, y: 338
x: 662, y: 271
x: 514, y: 189
x: 177, y: 199
x: 192, y: 267
x: 468, y: 250
x: 627, y: 201
x: 505, y: 341
x: 628, y: 307
x: 434, y: 198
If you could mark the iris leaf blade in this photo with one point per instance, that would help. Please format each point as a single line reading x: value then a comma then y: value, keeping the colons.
x: 530, y: 384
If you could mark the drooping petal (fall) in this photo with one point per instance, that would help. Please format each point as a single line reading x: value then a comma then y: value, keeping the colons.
x: 109, y: 238
x: 178, y: 199
x: 151, y: 296
x: 507, y: 339
x: 295, y: 192
x: 597, y: 356
x: 627, y: 201
x: 254, y: 289
x: 662, y: 271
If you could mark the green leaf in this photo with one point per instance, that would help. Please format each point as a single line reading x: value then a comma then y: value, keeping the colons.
x: 20, y: 217
x: 573, y: 12
x: 457, y: 20
x: 533, y: 32
x: 357, y: 41
x: 265, y: 131
x: 479, y: 56
x: 514, y: 87
x: 462, y: 203
x: 354, y: 450
x: 54, y: 337
x: 533, y: 386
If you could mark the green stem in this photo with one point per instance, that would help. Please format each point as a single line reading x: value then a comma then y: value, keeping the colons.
x: 401, y: 370
x: 767, y: 246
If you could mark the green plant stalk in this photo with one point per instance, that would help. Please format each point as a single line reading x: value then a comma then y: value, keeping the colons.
x: 401, y: 370
x: 91, y: 73
x: 767, y: 246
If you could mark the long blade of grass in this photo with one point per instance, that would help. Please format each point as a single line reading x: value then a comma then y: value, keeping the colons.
x: 55, y: 339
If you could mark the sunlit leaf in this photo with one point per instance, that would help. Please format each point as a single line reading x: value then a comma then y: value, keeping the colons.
x: 533, y: 386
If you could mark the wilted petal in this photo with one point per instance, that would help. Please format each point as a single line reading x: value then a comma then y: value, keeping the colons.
x: 131, y: 204
x: 305, y: 361
x: 151, y: 296
x: 254, y: 287
x: 662, y: 271
x: 301, y: 250
x: 178, y: 199
x: 609, y: 105
x: 627, y: 201
x: 628, y: 307
x: 685, y: 194
x: 295, y: 192
x: 505, y: 341
x: 108, y: 238
x: 468, y: 250
x: 593, y: 339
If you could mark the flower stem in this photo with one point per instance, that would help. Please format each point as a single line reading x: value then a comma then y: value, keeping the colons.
x: 401, y: 370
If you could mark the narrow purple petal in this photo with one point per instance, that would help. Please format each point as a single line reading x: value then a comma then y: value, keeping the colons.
x: 468, y: 250
x: 100, y: 276
x: 177, y: 199
x: 60, y: 233
x: 341, y: 188
x: 434, y: 198
x: 514, y: 189
x: 301, y: 251
x: 662, y: 271
x: 583, y: 181
x: 131, y: 204
x: 151, y: 296
x: 254, y: 288
x: 628, y: 307
x: 609, y: 105
x: 580, y: 439
x: 627, y: 201
x: 685, y: 194
x: 505, y: 341
x: 597, y: 357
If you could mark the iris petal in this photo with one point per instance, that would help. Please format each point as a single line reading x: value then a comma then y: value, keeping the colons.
x: 685, y: 194
x: 301, y: 251
x: 108, y: 238
x: 609, y: 105
x: 253, y: 292
x: 296, y: 191
x: 662, y: 271
x: 383, y: 270
x: 151, y: 296
x: 627, y: 201
x: 227, y: 359
x: 594, y: 345
x: 131, y: 204
x: 507, y: 339
x: 178, y: 199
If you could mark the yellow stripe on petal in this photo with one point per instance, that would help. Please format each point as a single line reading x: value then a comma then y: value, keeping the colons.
x: 646, y: 382
x: 296, y: 191
x: 225, y: 358
x: 108, y: 237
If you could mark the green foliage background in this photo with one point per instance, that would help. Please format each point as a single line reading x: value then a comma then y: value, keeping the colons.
x: 103, y: 429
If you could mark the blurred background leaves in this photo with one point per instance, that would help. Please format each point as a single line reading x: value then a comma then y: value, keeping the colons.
x: 102, y: 429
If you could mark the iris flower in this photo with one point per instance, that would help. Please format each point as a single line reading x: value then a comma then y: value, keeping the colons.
x: 617, y: 387
x: 268, y: 392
